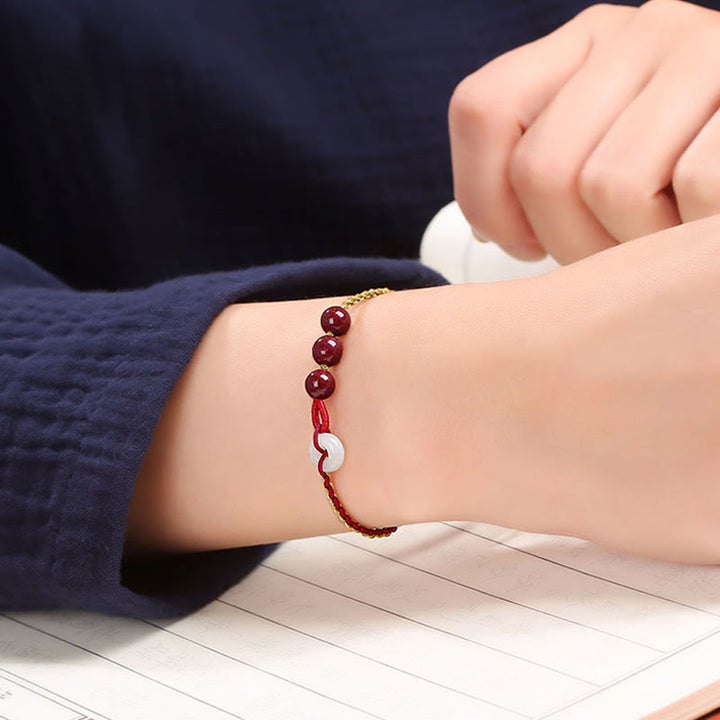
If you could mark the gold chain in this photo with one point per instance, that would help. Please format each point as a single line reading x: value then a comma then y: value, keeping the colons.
x: 364, y: 295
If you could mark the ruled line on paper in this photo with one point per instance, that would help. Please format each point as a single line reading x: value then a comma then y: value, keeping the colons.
x: 568, y: 592
x: 171, y: 658
x: 521, y: 633
x: 119, y: 664
x: 629, y: 675
x: 498, y: 597
x: 472, y: 668
x: 379, y: 662
x: 47, y: 693
x: 256, y: 667
x: 372, y: 689
x: 288, y: 626
x: 582, y: 572
x: 432, y: 627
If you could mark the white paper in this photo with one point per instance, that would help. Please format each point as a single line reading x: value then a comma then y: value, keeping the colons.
x: 451, y: 620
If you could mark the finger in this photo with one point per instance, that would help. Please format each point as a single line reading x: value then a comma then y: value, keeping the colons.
x: 491, y: 109
x: 625, y: 180
x: 546, y: 165
x: 696, y: 180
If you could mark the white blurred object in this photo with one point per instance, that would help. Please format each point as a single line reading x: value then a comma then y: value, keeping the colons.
x: 449, y: 247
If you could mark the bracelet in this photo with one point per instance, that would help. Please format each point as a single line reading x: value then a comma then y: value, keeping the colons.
x: 326, y: 449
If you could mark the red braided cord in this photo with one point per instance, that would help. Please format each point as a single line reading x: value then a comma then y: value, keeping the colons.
x: 321, y: 423
x: 320, y: 417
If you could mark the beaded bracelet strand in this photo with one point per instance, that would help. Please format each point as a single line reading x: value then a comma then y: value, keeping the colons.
x: 326, y: 449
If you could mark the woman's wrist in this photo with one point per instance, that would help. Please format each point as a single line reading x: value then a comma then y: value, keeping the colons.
x: 433, y: 399
x: 429, y: 402
x: 476, y: 357
x: 228, y: 463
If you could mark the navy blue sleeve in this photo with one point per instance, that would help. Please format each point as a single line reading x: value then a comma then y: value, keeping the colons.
x: 83, y: 379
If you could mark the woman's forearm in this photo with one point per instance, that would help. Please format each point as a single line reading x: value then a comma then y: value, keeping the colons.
x: 422, y: 376
x: 583, y: 402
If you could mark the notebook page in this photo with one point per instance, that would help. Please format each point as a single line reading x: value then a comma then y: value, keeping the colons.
x: 456, y: 620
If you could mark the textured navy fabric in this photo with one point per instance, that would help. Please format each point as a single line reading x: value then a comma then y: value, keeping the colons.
x: 83, y: 379
x: 147, y: 139
x: 160, y: 159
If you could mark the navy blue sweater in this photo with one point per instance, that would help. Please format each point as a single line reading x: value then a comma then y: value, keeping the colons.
x: 161, y: 159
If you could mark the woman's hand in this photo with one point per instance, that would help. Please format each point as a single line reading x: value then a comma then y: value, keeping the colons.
x: 605, y: 130
x: 610, y: 425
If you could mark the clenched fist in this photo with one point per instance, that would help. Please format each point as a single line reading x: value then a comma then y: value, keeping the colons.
x: 603, y: 131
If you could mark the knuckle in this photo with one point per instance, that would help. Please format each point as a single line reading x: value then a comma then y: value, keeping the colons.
x: 466, y: 109
x: 476, y: 101
x: 698, y: 181
x: 464, y: 100
x: 603, y: 15
x: 538, y: 173
x: 666, y: 11
x: 659, y: 7
x: 599, y: 10
x: 605, y: 187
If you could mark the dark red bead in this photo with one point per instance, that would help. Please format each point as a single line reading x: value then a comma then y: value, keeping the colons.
x: 320, y: 384
x: 335, y: 320
x: 327, y: 350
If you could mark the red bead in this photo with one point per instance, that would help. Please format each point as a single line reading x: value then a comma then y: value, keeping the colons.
x: 335, y: 320
x: 320, y: 384
x: 327, y: 350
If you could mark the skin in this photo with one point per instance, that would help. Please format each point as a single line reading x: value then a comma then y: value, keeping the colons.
x: 511, y: 402
x: 605, y: 130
